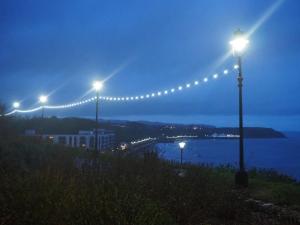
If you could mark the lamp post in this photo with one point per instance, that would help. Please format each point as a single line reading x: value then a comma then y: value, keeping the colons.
x: 239, y: 44
x: 97, y: 86
x: 181, y: 146
x: 43, y: 99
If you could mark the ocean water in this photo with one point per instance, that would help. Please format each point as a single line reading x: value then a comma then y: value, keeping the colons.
x: 280, y: 154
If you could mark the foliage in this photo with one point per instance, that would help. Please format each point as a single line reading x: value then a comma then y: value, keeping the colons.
x: 48, y: 184
x: 270, y: 186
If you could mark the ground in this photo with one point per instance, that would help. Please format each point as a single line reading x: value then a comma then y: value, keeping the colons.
x: 50, y: 184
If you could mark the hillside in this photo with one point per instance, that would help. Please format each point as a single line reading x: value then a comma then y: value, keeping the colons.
x: 126, y: 130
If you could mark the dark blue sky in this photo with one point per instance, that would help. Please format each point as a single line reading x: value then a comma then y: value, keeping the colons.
x: 60, y: 47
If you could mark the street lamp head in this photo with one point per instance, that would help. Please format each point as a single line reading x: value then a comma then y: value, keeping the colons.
x: 181, y: 144
x: 239, y: 43
x: 43, y: 99
x: 97, y: 85
x: 16, y: 105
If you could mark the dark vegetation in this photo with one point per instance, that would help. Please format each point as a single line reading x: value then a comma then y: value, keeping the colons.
x: 127, y: 131
x: 45, y: 184
x: 42, y: 183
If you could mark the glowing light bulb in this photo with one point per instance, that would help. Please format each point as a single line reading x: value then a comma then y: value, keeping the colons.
x: 196, y: 82
x: 43, y: 99
x: 16, y: 105
x: 97, y: 85
x: 215, y: 76
x: 181, y: 145
x: 225, y: 71
x: 239, y: 44
x: 205, y: 79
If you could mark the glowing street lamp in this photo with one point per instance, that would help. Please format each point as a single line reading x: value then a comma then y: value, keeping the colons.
x: 181, y: 146
x: 43, y: 100
x: 97, y: 86
x: 16, y: 105
x: 239, y: 44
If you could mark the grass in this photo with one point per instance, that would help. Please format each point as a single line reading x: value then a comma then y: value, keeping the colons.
x: 48, y: 184
x: 275, y: 188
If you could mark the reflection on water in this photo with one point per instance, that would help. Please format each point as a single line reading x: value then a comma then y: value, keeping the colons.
x: 282, y: 155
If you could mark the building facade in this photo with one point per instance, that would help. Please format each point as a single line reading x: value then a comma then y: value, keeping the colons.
x: 84, y: 139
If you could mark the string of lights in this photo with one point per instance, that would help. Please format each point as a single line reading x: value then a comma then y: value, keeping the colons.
x: 159, y: 93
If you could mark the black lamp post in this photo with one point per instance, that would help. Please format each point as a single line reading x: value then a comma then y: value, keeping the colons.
x: 43, y: 100
x: 181, y: 146
x: 238, y: 46
x: 97, y: 85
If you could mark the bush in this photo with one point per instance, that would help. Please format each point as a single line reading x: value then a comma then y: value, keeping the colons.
x: 50, y: 184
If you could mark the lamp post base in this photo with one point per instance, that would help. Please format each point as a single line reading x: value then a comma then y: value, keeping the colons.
x: 241, y: 178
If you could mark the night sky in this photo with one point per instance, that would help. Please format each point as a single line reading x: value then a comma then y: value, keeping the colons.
x: 59, y: 47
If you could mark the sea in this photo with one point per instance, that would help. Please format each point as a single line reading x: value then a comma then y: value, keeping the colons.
x: 279, y: 154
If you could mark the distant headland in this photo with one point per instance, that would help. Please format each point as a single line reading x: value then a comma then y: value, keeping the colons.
x: 128, y: 130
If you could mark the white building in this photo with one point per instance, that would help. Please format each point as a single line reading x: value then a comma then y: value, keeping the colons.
x: 84, y: 139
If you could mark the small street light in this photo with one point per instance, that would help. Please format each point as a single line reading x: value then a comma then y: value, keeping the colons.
x: 181, y: 146
x: 239, y: 44
x: 97, y: 86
